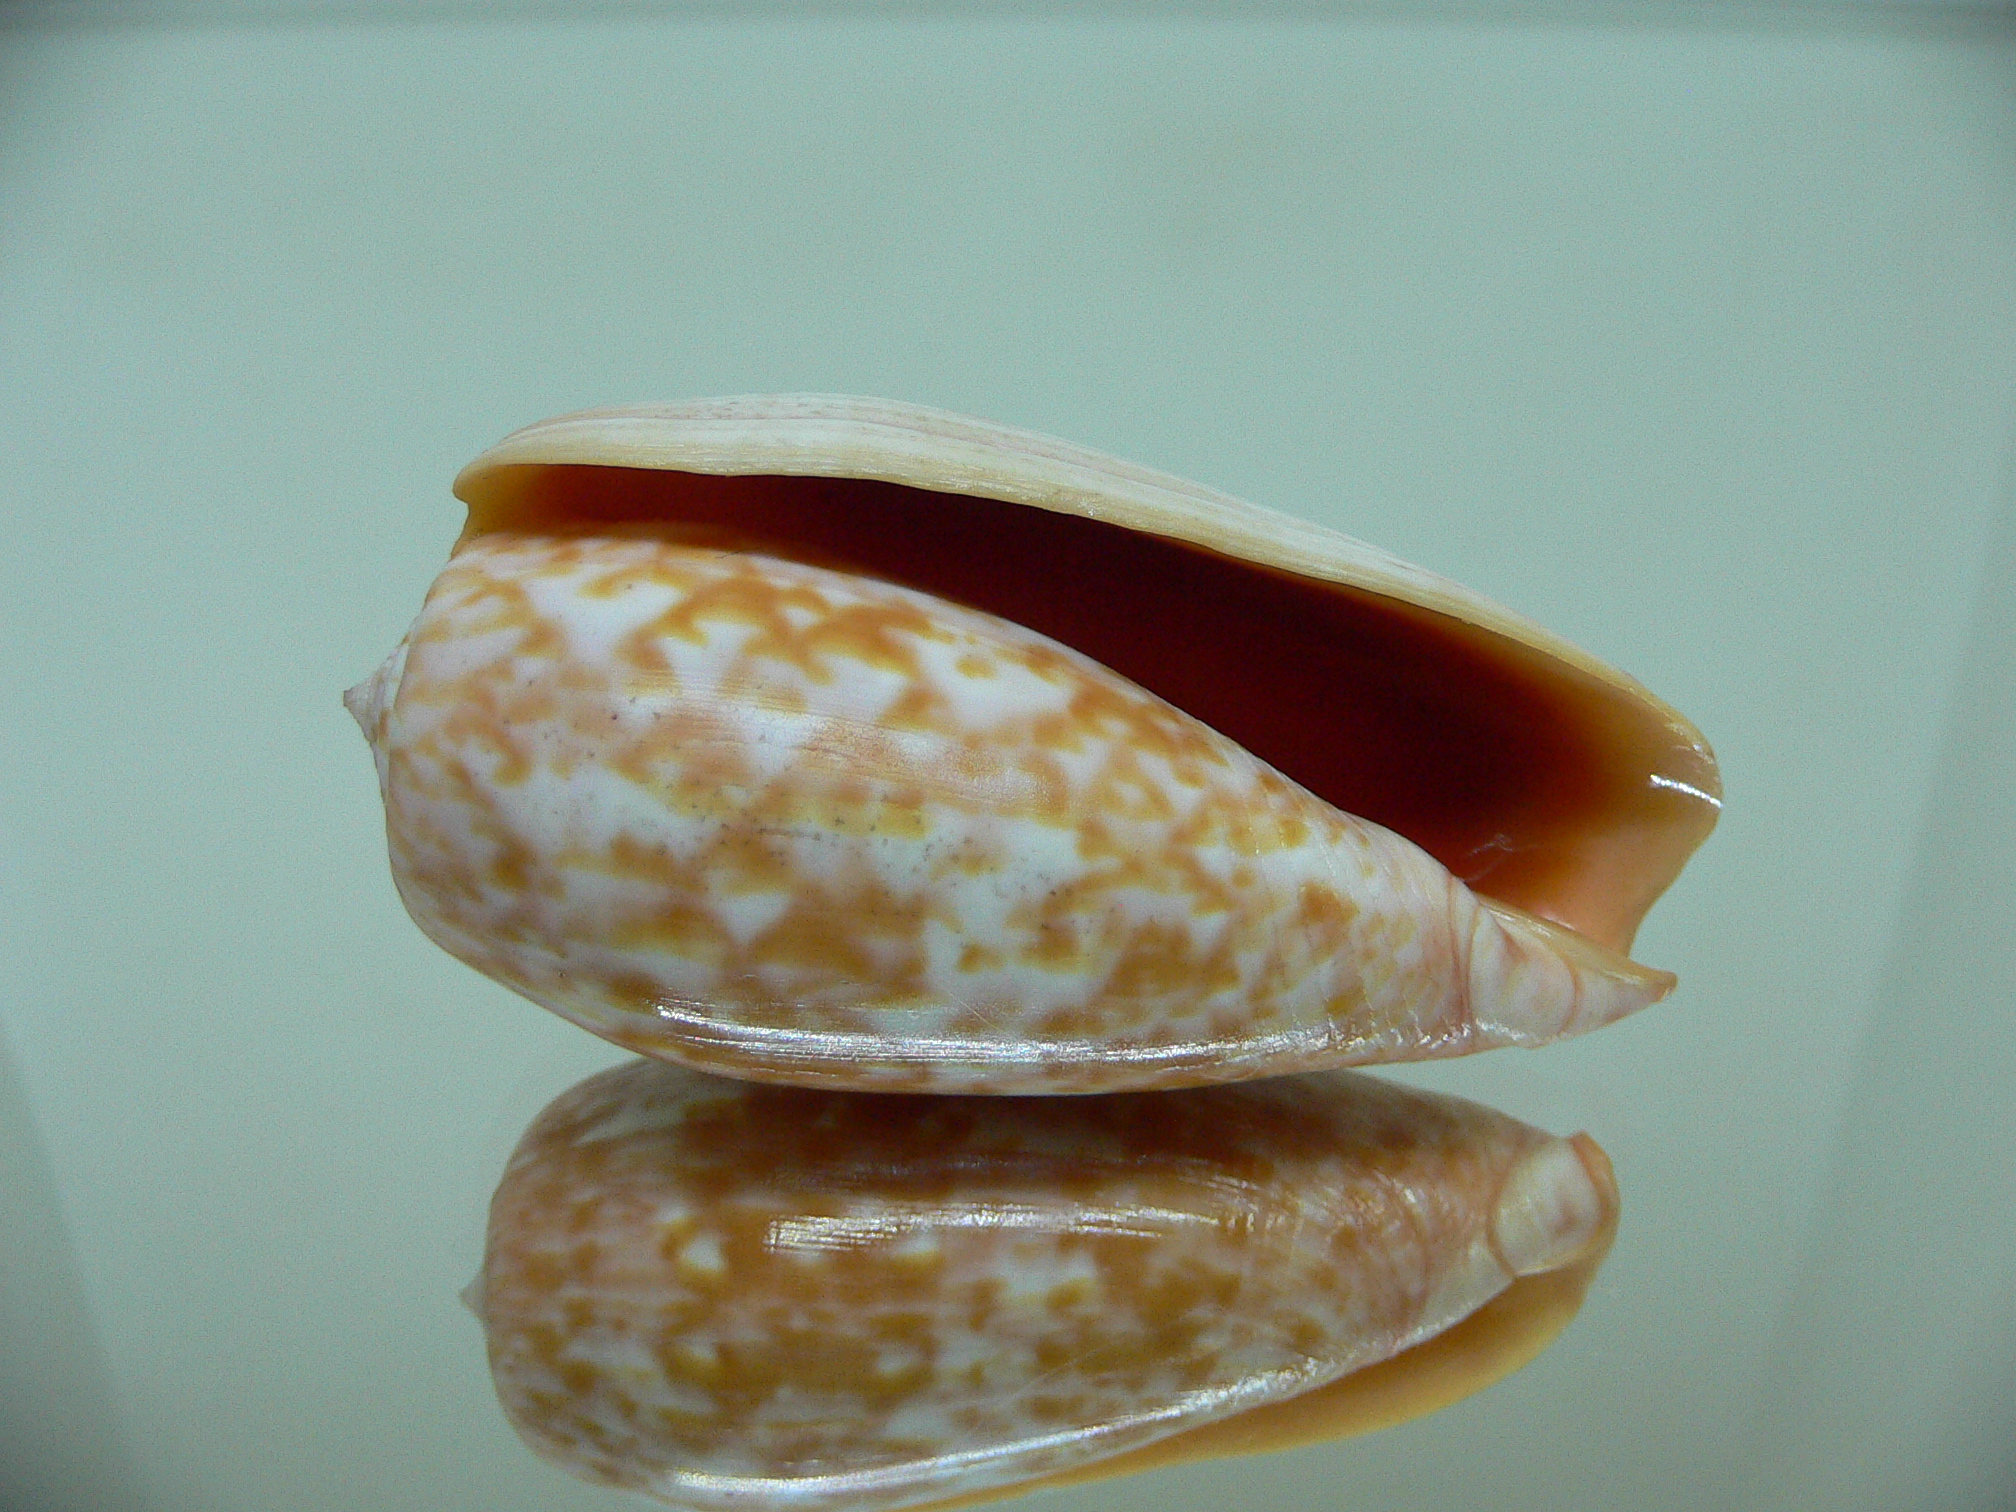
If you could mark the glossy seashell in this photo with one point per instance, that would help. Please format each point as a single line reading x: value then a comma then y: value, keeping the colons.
x: 732, y: 1295
x: 845, y: 743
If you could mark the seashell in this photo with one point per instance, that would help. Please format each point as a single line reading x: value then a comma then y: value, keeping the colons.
x: 839, y: 742
x: 725, y: 1294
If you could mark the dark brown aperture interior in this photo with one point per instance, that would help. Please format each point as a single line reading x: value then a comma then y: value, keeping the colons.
x: 1533, y: 782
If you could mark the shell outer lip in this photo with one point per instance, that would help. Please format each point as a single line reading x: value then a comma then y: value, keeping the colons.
x: 851, y: 436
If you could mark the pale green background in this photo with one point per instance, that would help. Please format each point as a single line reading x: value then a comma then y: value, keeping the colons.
x: 1690, y: 332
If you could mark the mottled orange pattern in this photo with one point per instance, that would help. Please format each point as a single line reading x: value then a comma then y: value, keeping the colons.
x: 734, y: 1295
x: 791, y: 823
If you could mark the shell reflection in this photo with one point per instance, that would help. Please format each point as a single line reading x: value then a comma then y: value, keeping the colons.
x: 734, y: 1294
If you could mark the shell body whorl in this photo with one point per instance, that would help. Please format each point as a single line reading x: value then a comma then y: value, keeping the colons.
x: 774, y: 820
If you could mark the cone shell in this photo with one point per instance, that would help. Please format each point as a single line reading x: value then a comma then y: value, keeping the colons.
x: 850, y: 744
x: 728, y: 1295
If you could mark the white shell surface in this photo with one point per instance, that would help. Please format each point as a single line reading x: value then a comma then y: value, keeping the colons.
x: 728, y: 1295
x: 765, y: 818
